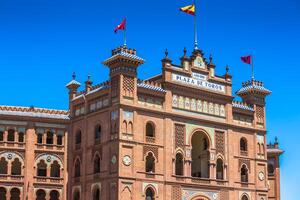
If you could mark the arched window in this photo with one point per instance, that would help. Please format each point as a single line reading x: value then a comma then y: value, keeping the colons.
x: 77, y: 168
x: 1, y: 136
x: 40, y: 138
x: 78, y: 137
x: 220, y: 169
x: 200, y: 155
x: 49, y: 139
x: 76, y: 195
x: 59, y: 140
x: 54, y: 195
x: 98, y: 132
x: 96, y: 194
x: 179, y: 164
x: 3, y: 166
x: 270, y: 169
x: 40, y: 195
x: 245, y: 197
x: 150, y: 163
x: 243, y: 144
x: 11, y: 135
x: 262, y: 149
x: 150, y: 130
x: 150, y: 194
x: 244, y: 174
x: 21, y: 137
x: 2, y: 193
x: 55, y: 169
x: 97, y: 164
x: 258, y: 148
x: 16, y: 167
x: 42, y: 169
x: 15, y: 194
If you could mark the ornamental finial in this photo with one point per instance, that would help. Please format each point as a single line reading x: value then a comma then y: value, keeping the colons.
x: 74, y: 76
x: 184, y: 52
x: 166, y: 53
x: 227, y: 69
x: 210, y: 59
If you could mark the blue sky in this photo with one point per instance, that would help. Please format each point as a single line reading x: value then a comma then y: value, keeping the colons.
x: 43, y: 41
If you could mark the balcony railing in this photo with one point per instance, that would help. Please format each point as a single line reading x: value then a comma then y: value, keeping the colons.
x: 150, y: 139
x: 244, y: 153
x: 49, y: 147
x: 14, y: 178
x: 49, y: 180
x: 11, y: 144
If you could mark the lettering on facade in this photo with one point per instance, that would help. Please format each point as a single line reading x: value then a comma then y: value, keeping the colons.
x: 200, y: 81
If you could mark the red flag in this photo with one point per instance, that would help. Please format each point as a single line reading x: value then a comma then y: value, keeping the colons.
x: 121, y: 26
x: 247, y: 59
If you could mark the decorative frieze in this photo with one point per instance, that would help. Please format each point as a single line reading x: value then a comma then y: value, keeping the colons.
x: 199, y: 106
x: 150, y: 101
x: 99, y: 104
x: 242, y: 119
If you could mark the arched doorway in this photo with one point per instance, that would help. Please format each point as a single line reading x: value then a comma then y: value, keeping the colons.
x: 96, y: 194
x: 40, y: 195
x: 150, y: 194
x: 200, y: 155
x: 76, y: 195
x: 54, y: 195
x: 15, y: 194
x: 2, y: 193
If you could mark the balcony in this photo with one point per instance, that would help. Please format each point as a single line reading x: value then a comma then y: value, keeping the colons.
x: 9, y: 144
x: 49, y: 147
x: 11, y: 178
x: 150, y: 139
x: 244, y: 153
x: 49, y: 180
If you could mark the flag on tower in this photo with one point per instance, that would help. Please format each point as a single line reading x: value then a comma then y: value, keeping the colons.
x: 247, y: 59
x: 190, y: 9
x: 121, y: 26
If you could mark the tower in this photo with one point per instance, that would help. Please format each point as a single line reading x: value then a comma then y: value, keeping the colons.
x: 123, y: 65
x: 254, y: 93
x: 274, y: 170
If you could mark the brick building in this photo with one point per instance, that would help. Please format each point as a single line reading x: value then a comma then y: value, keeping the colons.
x: 33, y: 156
x: 178, y: 135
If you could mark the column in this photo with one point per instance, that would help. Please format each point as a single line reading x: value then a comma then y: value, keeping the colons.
x: 54, y: 138
x: 16, y: 136
x: 29, y: 171
x: 44, y: 138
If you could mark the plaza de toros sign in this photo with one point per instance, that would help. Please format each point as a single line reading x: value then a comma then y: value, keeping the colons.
x: 198, y: 80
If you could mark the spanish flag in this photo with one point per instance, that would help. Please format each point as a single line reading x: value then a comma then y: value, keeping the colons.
x: 190, y: 9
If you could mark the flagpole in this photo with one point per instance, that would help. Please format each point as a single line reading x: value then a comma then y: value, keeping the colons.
x: 125, y: 34
x: 195, y: 28
x: 252, y: 63
x: 125, y: 37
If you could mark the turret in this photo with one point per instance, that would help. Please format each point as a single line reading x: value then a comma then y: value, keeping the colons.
x: 254, y: 93
x: 72, y: 86
x: 123, y: 65
x: 88, y: 84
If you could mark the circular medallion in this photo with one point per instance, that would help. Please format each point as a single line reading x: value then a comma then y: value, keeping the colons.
x: 114, y: 159
x: 48, y: 158
x: 127, y: 160
x: 261, y: 176
x: 9, y: 156
x: 215, y: 196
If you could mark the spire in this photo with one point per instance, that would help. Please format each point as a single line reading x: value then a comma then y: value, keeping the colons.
x: 88, y: 83
x: 166, y: 59
x: 73, y: 84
